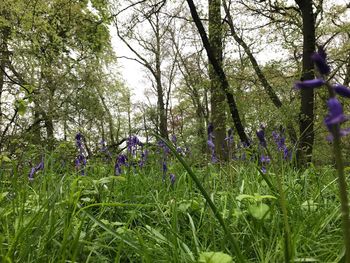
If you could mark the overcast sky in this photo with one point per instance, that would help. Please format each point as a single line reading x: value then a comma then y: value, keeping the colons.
x: 134, y: 74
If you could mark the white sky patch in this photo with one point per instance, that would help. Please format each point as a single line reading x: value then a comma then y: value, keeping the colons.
x: 135, y: 75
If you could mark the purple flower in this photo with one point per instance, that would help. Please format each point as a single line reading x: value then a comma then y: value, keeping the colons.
x: 165, y: 169
x: 319, y: 58
x: 265, y: 159
x: 173, y: 139
x: 172, y: 178
x: 164, y: 148
x: 335, y: 114
x: 33, y: 170
x: 261, y: 136
x: 132, y: 144
x: 312, y: 83
x: 119, y: 162
x: 342, y: 133
x: 144, y: 156
x: 342, y: 90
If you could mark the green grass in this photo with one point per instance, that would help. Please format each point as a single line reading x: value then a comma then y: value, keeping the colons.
x: 64, y: 217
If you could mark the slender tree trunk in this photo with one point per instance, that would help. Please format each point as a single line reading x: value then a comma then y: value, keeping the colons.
x: 261, y: 76
x: 217, y: 98
x: 109, y: 117
x: 48, y: 118
x: 306, y: 117
x: 4, y: 34
x: 220, y: 72
x: 163, y: 129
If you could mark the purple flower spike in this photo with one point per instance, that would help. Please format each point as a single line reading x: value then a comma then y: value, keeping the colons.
x: 173, y: 139
x: 320, y: 61
x: 342, y: 133
x: 265, y: 159
x: 261, y: 136
x: 40, y: 166
x: 335, y: 115
x: 342, y: 90
x: 312, y: 83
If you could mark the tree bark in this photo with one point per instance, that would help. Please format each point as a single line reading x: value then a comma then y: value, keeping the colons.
x: 306, y: 117
x: 217, y: 98
x: 220, y: 72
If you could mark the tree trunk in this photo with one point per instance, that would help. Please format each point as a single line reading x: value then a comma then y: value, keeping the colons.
x: 220, y: 72
x: 306, y: 117
x: 259, y: 73
x: 163, y: 129
x: 217, y: 99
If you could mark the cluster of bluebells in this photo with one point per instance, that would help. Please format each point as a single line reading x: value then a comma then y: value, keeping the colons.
x: 143, y: 159
x: 133, y: 144
x: 34, y: 169
x: 335, y: 115
x: 280, y: 141
x: 178, y: 148
x: 211, y: 144
x: 80, y: 160
x: 121, y: 160
x: 165, y: 152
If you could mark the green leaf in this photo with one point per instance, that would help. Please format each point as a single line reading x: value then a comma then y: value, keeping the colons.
x: 4, y: 158
x: 214, y: 257
x: 259, y: 211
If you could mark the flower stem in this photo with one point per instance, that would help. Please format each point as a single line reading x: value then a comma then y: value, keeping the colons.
x: 342, y: 190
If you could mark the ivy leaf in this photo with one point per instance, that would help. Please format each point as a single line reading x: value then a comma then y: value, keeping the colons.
x: 214, y: 257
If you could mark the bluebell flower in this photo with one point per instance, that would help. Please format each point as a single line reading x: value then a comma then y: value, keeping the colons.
x: 335, y: 117
x: 121, y: 160
x: 342, y: 90
x: 33, y: 170
x: 132, y: 144
x: 335, y: 114
x: 144, y: 156
x: 173, y: 139
x: 165, y: 169
x: 261, y: 136
x: 312, y: 83
x: 320, y: 60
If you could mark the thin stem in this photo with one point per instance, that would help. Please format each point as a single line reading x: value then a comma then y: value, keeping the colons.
x: 342, y: 190
x: 287, y: 235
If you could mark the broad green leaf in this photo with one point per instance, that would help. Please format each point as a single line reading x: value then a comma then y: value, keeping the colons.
x: 259, y: 211
x: 214, y: 257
